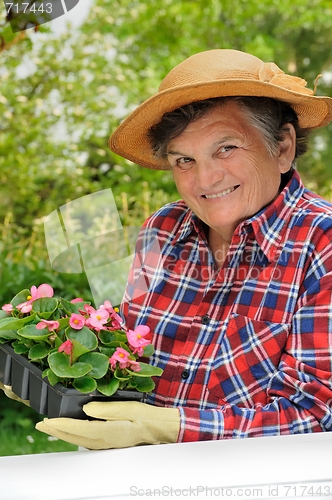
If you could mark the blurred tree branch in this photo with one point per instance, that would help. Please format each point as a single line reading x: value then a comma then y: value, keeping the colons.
x: 18, y: 38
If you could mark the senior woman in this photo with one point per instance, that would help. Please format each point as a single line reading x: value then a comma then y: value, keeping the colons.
x: 235, y: 279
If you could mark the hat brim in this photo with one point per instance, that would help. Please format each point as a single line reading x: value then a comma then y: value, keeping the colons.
x: 130, y: 139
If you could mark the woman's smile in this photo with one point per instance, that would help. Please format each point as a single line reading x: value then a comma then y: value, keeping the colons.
x: 221, y: 194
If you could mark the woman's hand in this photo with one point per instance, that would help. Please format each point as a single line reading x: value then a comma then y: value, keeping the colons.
x: 119, y: 425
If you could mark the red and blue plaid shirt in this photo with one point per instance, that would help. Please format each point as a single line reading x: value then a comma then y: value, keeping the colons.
x: 246, y: 349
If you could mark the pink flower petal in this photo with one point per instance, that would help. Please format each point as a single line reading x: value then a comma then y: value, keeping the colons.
x: 66, y: 347
x: 8, y: 308
x: 41, y: 325
x: 135, y: 366
x: 116, y: 319
x: 25, y: 307
x: 142, y: 330
x: 51, y: 325
x: 89, y: 309
x: 108, y: 306
x: 43, y: 290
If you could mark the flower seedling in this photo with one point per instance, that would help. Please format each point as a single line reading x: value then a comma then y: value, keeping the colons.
x: 77, y: 345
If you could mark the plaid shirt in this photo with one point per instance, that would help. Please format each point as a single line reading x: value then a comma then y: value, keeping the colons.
x: 247, y: 349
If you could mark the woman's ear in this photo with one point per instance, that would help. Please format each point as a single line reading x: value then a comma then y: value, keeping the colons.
x: 287, y: 148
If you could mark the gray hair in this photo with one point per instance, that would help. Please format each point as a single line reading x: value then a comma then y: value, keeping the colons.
x: 269, y: 116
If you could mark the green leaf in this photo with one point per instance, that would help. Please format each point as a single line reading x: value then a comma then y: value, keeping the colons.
x: 113, y: 346
x: 106, y: 337
x: 99, y: 362
x: 31, y: 332
x: 60, y: 365
x: 122, y: 374
x: 7, y: 335
x: 78, y: 350
x: 108, y: 388
x: 120, y: 336
x: 85, y: 337
x: 38, y: 351
x: 148, y: 350
x: 3, y: 314
x: 12, y: 323
x: 144, y: 384
x: 147, y: 371
x: 114, y: 338
x: 71, y: 308
x: 64, y: 322
x: 45, y: 307
x: 20, y: 348
x: 85, y: 384
x: 52, y: 378
x: 108, y: 351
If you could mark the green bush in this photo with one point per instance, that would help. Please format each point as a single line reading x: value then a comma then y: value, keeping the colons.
x: 18, y: 435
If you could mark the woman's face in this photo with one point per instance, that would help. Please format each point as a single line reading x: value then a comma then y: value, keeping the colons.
x: 222, y: 168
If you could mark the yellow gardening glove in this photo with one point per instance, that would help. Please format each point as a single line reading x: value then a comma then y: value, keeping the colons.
x: 11, y: 395
x: 123, y: 424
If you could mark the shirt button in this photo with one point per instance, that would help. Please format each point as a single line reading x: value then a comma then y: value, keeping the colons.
x: 185, y: 374
x: 205, y: 320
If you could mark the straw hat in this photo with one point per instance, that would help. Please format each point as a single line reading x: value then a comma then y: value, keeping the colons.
x: 215, y: 73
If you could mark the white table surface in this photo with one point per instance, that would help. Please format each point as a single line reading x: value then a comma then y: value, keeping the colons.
x: 282, y: 467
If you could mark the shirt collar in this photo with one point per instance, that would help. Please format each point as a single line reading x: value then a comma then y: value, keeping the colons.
x: 189, y: 223
x: 268, y: 225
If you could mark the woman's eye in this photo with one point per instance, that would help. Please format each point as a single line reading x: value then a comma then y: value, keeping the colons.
x: 227, y: 149
x: 184, y: 162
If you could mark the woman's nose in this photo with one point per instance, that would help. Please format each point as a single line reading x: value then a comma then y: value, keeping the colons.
x: 208, y: 173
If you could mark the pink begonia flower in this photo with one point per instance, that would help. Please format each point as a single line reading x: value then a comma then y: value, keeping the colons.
x: 25, y: 307
x: 99, y: 318
x: 88, y: 324
x: 136, y: 338
x: 116, y: 325
x: 66, y: 347
x: 107, y: 305
x: 77, y: 321
x: 116, y: 319
x: 50, y: 325
x: 43, y: 290
x: 121, y: 356
x: 134, y: 365
x: 89, y: 309
x: 8, y: 308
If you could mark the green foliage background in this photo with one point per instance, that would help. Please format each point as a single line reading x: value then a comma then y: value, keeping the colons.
x: 61, y: 95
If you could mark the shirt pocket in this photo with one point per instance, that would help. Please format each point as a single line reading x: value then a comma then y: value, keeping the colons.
x: 244, y: 360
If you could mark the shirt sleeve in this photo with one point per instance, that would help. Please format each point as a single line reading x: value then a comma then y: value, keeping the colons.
x: 300, y: 392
